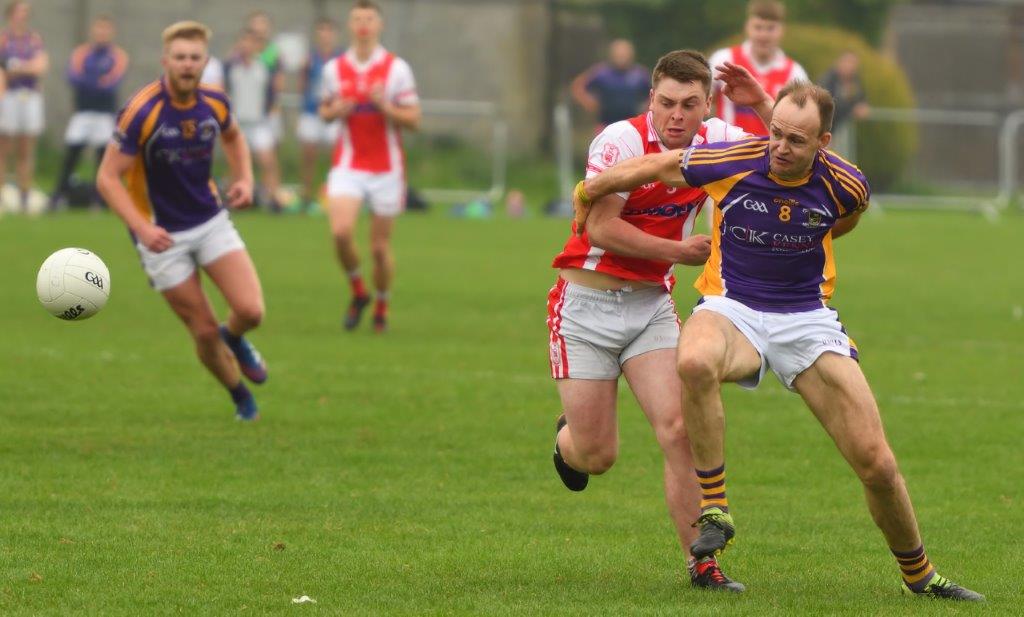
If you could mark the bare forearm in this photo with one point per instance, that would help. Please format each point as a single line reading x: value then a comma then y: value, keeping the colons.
x: 117, y: 197
x: 236, y: 151
x: 406, y: 116
x: 844, y: 226
x: 764, y: 111
x: 633, y: 173
x: 621, y: 238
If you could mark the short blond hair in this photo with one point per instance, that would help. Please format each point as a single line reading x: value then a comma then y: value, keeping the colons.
x: 189, y: 30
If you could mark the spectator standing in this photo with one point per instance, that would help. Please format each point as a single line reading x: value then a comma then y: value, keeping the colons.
x: 613, y: 90
x: 95, y: 70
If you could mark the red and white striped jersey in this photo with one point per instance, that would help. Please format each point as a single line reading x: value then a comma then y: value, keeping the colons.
x: 656, y: 208
x: 772, y: 76
x: 367, y: 141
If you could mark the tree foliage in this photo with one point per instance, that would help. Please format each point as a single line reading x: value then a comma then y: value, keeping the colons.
x: 697, y: 24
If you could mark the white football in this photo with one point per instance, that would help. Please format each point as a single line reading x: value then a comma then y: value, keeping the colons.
x: 73, y: 284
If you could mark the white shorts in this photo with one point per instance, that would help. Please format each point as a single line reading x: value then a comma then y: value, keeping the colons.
x: 789, y: 343
x: 385, y: 192
x: 21, y: 112
x: 258, y: 134
x: 311, y: 129
x: 592, y: 333
x: 89, y: 128
x: 200, y: 245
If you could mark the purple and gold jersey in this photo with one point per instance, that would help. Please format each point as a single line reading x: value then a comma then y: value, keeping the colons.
x: 173, y: 145
x: 771, y: 247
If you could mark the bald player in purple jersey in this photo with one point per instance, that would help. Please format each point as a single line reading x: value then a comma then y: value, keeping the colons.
x: 780, y: 201
x: 163, y: 147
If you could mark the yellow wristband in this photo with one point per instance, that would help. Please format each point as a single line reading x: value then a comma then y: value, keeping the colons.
x: 581, y: 194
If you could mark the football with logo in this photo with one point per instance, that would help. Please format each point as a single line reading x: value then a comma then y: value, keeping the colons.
x: 73, y: 284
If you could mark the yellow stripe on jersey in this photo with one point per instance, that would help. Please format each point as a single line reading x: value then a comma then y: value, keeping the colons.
x: 136, y: 103
x: 136, y: 183
x: 150, y: 123
x: 219, y: 108
x: 832, y: 194
x: 852, y: 190
x: 701, y: 155
x: 709, y: 283
x: 720, y: 188
x: 844, y: 161
x: 727, y: 159
x: 828, y: 273
x: 735, y: 146
x: 855, y: 186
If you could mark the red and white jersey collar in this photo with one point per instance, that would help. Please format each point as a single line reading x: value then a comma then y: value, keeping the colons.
x: 777, y: 62
x: 375, y: 56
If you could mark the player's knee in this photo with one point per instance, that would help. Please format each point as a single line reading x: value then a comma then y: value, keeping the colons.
x: 696, y: 370
x: 671, y: 432
x: 380, y: 250
x: 205, y: 332
x: 342, y: 233
x: 600, y: 459
x: 250, y: 314
x: 878, y: 469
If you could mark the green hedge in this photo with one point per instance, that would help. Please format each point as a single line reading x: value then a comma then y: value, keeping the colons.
x: 884, y: 149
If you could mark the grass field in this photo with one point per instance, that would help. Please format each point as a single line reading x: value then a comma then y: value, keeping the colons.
x: 410, y: 473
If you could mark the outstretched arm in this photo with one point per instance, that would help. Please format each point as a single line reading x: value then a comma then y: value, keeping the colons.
x: 625, y: 177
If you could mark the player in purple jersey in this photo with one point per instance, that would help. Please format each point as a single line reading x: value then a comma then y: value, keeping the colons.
x: 163, y: 146
x: 25, y: 61
x: 780, y: 201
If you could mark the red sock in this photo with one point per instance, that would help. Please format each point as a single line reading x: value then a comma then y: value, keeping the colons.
x: 381, y: 307
x: 358, y: 288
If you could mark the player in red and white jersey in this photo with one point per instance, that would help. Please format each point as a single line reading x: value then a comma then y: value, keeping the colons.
x: 761, y: 55
x: 373, y: 94
x: 611, y: 311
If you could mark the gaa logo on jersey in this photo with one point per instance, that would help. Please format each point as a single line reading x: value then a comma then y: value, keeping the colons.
x: 188, y: 128
x: 610, y: 154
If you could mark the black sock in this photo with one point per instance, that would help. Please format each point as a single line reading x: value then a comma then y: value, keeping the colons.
x: 239, y: 393
x: 71, y: 156
x: 229, y: 337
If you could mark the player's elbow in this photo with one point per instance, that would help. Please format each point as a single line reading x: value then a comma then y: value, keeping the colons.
x: 105, y: 177
x: 598, y: 232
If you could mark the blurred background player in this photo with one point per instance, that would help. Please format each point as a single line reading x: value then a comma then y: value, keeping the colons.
x: 844, y: 84
x: 95, y: 71
x: 761, y: 55
x: 164, y: 144
x: 25, y: 62
x: 250, y: 83
x: 313, y: 133
x: 373, y: 93
x: 613, y: 90
x: 213, y: 73
x: 269, y: 52
x: 611, y: 312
